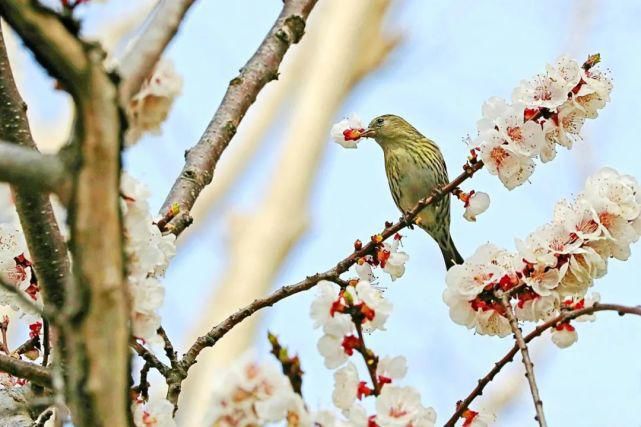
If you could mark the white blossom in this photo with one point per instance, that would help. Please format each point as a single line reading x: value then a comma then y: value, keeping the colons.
x: 478, y: 419
x: 477, y: 203
x: 393, y: 368
x: 155, y: 413
x: 251, y: 393
x: 521, y: 137
x: 542, y: 90
x: 149, y: 108
x: 564, y: 337
x: 401, y: 407
x: 394, y: 261
x: 364, y: 270
x: 345, y: 386
x: 284, y: 405
x: 347, y: 131
x: 538, y: 307
x: 594, y: 94
x: 566, y: 129
x: 512, y: 168
x: 321, y: 306
x: 148, y: 253
x: 374, y: 299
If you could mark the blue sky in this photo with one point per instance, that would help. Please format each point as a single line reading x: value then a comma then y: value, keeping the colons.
x: 455, y: 55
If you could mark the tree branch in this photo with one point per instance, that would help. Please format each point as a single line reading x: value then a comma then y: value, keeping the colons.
x: 47, y: 247
x: 59, y: 51
x: 33, y: 171
x: 150, y: 358
x: 261, y: 68
x: 168, y: 347
x: 150, y: 45
x: 218, y: 331
x: 527, y: 362
x: 97, y: 388
x: 538, y: 331
x: 29, y: 371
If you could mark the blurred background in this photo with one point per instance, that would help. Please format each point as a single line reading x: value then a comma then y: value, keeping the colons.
x: 286, y: 202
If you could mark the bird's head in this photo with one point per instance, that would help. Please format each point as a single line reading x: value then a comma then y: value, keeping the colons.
x: 390, y: 129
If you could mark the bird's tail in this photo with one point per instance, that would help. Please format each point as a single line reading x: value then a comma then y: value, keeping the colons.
x: 451, y: 256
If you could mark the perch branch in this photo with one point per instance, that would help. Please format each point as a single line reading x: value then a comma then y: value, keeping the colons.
x: 261, y: 68
x: 218, y: 331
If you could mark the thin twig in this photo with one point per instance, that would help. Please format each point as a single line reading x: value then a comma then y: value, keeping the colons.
x: 143, y: 385
x: 147, y: 49
x: 564, y: 317
x: 218, y: 331
x: 150, y: 358
x: 371, y: 361
x: 261, y: 68
x: 46, y: 343
x: 168, y: 346
x: 4, y: 325
x: 527, y: 361
x: 44, y: 417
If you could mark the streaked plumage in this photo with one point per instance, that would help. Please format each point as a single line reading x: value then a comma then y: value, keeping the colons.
x: 415, y: 167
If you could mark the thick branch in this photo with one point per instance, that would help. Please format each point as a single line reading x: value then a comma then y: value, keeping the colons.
x: 29, y: 371
x: 148, y: 48
x: 538, y: 331
x: 263, y: 66
x: 59, y: 51
x: 527, y: 362
x: 46, y: 245
x: 218, y: 331
x: 31, y: 170
x: 97, y: 388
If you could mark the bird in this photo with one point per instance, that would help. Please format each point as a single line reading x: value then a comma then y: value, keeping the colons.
x: 415, y: 168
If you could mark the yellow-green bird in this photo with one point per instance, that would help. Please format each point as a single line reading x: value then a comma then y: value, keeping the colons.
x: 415, y: 167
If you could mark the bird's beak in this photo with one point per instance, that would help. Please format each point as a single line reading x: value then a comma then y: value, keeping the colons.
x: 368, y: 133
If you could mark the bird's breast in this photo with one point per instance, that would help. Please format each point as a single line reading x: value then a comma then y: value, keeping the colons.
x: 410, y: 178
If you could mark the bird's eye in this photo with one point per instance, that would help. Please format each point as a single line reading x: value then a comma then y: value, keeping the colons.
x: 380, y: 121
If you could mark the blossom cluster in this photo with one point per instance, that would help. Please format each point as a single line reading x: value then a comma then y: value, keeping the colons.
x: 148, y: 253
x: 343, y: 316
x: 252, y: 394
x: 546, y: 111
x: 555, y: 265
x: 386, y: 256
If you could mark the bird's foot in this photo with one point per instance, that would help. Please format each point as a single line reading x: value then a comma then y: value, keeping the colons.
x: 408, y: 221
